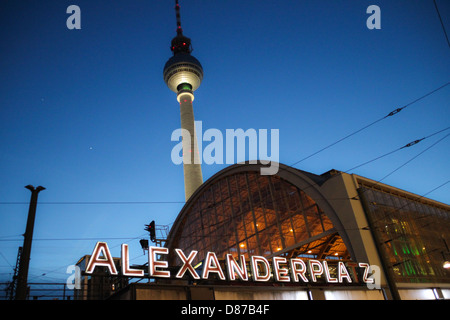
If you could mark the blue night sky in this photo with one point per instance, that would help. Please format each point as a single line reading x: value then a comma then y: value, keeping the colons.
x: 86, y: 113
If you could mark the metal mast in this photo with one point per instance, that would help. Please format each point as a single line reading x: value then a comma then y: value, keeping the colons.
x: 11, y: 290
x: 22, y: 279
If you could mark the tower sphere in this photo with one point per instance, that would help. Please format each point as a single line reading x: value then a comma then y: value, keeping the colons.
x: 183, y: 68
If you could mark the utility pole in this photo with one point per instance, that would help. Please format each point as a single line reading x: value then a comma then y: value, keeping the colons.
x: 22, y: 279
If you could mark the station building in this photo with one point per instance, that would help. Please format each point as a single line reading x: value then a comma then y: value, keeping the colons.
x: 333, y: 217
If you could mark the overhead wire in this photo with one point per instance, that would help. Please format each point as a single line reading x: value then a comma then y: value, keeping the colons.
x: 77, y: 239
x: 390, y: 114
x: 95, y: 202
x: 404, y: 164
x: 68, y: 239
x: 410, y: 144
x: 442, y: 23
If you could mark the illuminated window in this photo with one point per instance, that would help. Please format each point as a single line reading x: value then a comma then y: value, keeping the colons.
x: 249, y: 214
x: 413, y: 234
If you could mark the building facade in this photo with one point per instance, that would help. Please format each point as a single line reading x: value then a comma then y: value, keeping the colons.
x: 333, y: 217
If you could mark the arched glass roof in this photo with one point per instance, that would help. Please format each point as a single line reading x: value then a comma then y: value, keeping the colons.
x: 245, y: 213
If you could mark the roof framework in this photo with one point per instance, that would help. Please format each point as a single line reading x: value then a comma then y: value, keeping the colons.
x: 245, y: 213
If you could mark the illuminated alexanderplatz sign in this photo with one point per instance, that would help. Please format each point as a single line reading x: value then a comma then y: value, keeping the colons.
x: 282, y: 269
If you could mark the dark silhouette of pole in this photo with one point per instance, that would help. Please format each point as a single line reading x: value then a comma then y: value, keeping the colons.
x: 22, y: 279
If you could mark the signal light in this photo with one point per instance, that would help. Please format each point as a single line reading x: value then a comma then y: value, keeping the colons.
x: 151, y: 229
x: 144, y: 244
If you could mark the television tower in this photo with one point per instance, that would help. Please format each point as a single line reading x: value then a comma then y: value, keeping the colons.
x: 183, y: 74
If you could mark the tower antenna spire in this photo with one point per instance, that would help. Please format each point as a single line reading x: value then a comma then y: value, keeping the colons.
x: 181, y: 43
x: 177, y: 12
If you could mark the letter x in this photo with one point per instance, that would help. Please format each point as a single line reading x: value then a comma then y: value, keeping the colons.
x: 187, y: 264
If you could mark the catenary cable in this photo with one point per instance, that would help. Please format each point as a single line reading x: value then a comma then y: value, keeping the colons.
x: 398, y: 149
x: 392, y: 113
x: 442, y: 23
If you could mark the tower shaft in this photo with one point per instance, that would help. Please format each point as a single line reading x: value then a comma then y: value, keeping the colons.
x: 191, y: 159
x: 183, y: 74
